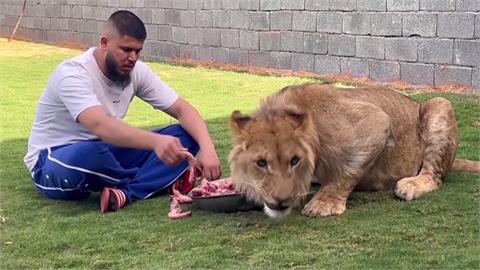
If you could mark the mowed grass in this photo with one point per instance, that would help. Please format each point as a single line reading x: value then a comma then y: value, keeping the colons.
x: 378, y: 231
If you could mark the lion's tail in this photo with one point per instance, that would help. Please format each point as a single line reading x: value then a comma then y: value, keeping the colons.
x: 466, y: 165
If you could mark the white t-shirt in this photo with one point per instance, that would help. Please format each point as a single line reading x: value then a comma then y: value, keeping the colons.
x: 78, y: 84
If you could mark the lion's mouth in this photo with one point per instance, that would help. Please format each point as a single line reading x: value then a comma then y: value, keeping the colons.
x: 278, y: 212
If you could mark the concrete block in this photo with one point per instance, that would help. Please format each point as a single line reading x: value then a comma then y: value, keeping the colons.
x: 386, y: 24
x: 259, y: 21
x: 341, y: 45
x: 281, y: 20
x: 204, y: 18
x: 384, y: 71
x: 231, y: 4
x: 303, y: 62
x: 250, y: 4
x: 403, y: 5
x: 220, y: 55
x: 211, y: 37
x: 269, y: 41
x: 315, y: 43
x: 476, y: 80
x: 329, y: 22
x: 453, y: 75
x: 187, y: 18
x: 355, y: 67
x: 125, y: 3
x: 456, y: 25
x: 270, y: 5
x: 327, y: 64
x: 259, y: 59
x: 167, y: 50
x: 304, y: 21
x: 179, y: 35
x: 165, y: 33
x: 280, y: 60
x: 238, y: 57
x: 401, y: 49
x: 249, y: 40
x: 154, y: 3
x: 372, y: 5
x: 292, y: 4
x: 239, y: 19
x: 172, y: 17
x: 221, y: 18
x: 437, y: 5
x: 230, y: 38
x: 77, y: 12
x: 187, y: 51
x: 467, y: 53
x: 180, y: 4
x: 477, y: 25
x: 203, y: 53
x: 370, y: 47
x: 420, y: 74
x: 356, y: 23
x: 163, y: 3
x: 158, y: 16
x: 468, y: 5
x: 316, y: 4
x: 438, y: 51
x: 419, y: 24
x: 195, y: 4
x: 343, y: 5
x: 152, y: 31
x: 291, y: 41
x: 212, y: 4
x: 195, y: 36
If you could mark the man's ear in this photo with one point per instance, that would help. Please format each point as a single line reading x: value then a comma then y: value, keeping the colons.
x: 103, y: 41
x: 238, y: 122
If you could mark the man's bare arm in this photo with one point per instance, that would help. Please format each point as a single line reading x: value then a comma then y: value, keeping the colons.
x: 116, y: 132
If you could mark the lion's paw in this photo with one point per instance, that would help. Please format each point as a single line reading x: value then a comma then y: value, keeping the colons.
x: 321, y: 208
x: 408, y: 189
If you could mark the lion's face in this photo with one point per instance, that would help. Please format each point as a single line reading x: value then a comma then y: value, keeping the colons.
x: 272, y: 161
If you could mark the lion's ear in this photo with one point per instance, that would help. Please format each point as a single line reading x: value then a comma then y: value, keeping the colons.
x: 238, y: 122
x: 296, y: 116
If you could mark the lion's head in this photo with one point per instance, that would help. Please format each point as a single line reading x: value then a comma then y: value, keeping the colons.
x: 272, y: 160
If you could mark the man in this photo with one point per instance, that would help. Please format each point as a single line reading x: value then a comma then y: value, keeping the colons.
x: 79, y: 143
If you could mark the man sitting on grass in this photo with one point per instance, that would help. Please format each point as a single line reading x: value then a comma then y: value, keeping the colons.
x: 79, y: 143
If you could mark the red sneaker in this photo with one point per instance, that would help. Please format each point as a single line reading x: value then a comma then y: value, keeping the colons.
x: 112, y: 199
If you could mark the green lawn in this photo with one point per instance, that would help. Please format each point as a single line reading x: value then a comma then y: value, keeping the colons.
x: 438, y: 231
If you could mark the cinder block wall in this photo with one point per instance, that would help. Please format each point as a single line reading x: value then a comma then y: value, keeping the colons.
x: 426, y: 42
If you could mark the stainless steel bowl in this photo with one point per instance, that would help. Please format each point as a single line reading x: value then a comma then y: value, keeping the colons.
x: 226, y: 203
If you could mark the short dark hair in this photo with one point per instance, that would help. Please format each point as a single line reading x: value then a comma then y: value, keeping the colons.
x: 128, y: 24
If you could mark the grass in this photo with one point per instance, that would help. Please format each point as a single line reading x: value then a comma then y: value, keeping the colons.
x: 439, y: 231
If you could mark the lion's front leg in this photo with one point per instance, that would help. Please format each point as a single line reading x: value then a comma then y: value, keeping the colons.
x: 330, y: 200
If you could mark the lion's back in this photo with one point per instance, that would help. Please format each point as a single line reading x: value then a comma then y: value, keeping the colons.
x: 332, y: 109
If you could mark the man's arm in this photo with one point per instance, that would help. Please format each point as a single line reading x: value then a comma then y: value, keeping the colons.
x: 116, y: 132
x: 193, y: 123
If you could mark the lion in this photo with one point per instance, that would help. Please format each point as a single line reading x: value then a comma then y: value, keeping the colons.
x: 344, y: 139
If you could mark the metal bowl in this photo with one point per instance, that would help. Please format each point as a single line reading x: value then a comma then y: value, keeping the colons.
x: 226, y: 203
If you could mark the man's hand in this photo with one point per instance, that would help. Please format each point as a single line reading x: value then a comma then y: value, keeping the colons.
x: 210, y: 164
x: 169, y: 150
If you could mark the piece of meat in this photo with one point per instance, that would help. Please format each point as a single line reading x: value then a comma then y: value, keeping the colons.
x: 176, y: 210
x: 214, y: 188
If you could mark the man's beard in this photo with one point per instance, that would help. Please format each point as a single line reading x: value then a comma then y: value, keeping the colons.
x: 113, y: 74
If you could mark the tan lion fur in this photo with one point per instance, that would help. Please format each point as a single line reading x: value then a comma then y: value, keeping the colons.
x: 345, y: 139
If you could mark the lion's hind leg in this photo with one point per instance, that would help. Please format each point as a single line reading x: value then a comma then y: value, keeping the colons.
x: 440, y: 136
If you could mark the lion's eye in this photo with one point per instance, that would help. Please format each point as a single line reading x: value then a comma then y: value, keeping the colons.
x: 262, y: 163
x: 294, y: 161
